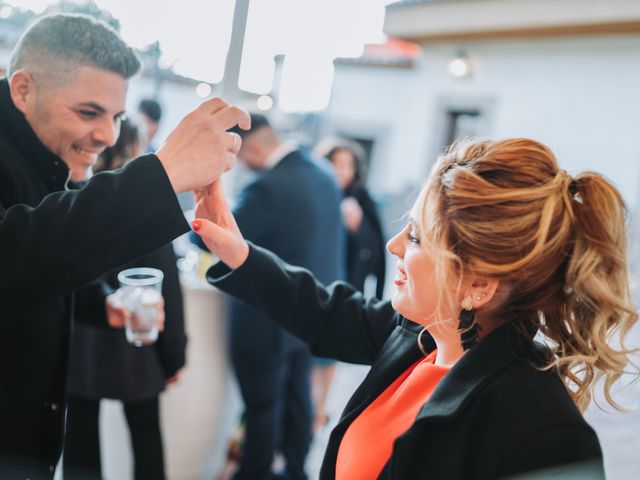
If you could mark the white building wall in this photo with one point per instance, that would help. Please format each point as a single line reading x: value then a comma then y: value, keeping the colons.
x: 580, y: 96
x: 387, y: 105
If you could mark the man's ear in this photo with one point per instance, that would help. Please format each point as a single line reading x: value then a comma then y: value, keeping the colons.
x: 22, y: 89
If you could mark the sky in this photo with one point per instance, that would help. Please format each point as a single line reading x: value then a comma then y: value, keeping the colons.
x: 194, y: 36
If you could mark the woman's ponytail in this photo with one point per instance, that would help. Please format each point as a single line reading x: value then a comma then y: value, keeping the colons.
x: 598, y: 302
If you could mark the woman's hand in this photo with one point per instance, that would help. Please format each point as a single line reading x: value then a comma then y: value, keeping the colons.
x: 218, y: 229
x: 351, y: 214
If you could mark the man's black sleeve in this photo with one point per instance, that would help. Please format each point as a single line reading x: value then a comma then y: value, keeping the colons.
x: 73, y: 237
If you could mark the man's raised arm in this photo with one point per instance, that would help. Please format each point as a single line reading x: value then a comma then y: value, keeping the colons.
x: 71, y: 238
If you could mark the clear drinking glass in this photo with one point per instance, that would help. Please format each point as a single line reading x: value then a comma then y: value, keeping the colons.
x: 141, y: 295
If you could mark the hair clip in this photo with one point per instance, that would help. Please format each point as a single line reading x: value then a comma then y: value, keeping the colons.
x: 575, y: 195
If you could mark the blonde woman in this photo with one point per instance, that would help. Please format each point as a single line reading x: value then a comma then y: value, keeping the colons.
x: 501, y: 244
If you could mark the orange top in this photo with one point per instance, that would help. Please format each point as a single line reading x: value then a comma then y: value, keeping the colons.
x: 368, y: 442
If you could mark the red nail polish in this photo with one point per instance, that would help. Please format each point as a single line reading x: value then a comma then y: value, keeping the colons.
x: 196, y: 225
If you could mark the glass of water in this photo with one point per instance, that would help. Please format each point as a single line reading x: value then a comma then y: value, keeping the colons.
x: 141, y: 295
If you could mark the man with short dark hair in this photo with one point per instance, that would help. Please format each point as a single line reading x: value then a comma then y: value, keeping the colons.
x: 60, y: 106
x: 59, y: 62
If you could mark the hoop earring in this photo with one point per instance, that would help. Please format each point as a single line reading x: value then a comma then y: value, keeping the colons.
x: 424, y: 329
x: 470, y: 330
x: 420, y: 346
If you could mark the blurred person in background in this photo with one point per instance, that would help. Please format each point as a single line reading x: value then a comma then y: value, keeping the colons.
x: 292, y: 207
x: 103, y: 364
x: 365, y: 240
x: 149, y: 116
x: 501, y: 244
x: 61, y: 104
x: 365, y: 255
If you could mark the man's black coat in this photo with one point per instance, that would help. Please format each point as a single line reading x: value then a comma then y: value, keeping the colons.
x: 494, y: 414
x: 292, y: 209
x: 50, y: 245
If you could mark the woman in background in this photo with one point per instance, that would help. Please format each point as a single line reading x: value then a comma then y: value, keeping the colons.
x: 365, y: 240
x: 103, y: 364
x: 365, y: 256
x: 500, y: 245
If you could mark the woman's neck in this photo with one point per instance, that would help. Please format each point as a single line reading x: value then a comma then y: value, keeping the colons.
x: 448, y: 342
x: 449, y: 351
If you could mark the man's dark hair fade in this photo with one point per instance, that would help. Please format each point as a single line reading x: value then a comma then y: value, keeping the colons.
x: 71, y: 40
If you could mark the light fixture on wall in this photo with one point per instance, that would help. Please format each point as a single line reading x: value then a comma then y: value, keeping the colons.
x: 460, y: 66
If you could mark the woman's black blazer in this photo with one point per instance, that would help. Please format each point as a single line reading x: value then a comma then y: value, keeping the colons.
x: 493, y: 415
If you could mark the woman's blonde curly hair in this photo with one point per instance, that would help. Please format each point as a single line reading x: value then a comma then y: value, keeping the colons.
x: 505, y: 210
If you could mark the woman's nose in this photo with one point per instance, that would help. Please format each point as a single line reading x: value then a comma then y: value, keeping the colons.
x: 395, y: 245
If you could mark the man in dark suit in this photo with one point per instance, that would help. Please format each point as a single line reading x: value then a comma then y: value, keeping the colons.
x: 292, y: 208
x: 60, y: 106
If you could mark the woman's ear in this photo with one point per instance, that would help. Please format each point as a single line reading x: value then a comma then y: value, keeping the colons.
x: 481, y: 290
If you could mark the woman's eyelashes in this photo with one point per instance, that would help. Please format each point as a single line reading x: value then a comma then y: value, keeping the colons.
x: 412, y: 236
